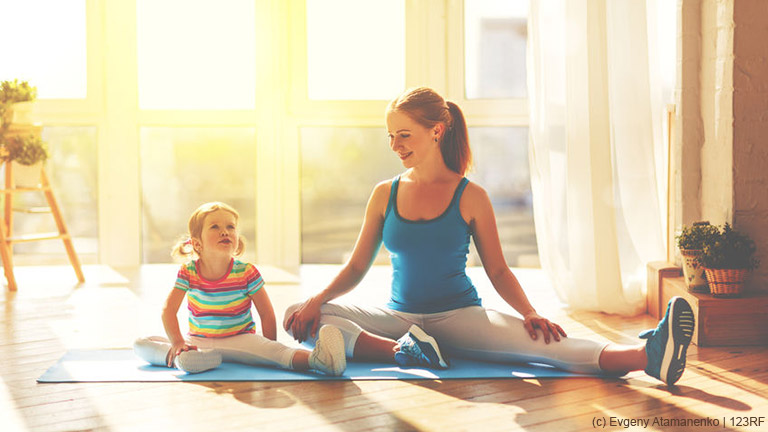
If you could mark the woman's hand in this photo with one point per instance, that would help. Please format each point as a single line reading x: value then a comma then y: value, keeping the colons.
x: 177, y: 349
x: 535, y: 321
x: 305, y: 320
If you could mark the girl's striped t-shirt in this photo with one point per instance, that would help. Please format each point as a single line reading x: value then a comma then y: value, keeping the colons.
x: 220, y: 308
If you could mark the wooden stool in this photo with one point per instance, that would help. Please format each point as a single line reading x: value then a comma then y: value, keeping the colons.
x: 6, y: 225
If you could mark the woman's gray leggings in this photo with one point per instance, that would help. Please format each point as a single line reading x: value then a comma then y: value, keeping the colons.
x: 471, y: 332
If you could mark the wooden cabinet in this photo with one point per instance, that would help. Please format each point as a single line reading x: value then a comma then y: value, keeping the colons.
x: 719, y: 321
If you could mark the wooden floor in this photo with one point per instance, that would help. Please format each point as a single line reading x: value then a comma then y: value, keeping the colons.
x: 51, y: 314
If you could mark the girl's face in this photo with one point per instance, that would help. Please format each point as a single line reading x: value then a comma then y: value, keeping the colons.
x: 219, y: 235
x: 412, y: 142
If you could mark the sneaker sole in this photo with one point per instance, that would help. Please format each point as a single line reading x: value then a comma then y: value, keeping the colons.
x: 333, y: 340
x: 424, y: 338
x: 680, y: 332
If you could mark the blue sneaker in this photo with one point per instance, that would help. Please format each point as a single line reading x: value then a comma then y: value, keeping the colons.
x: 668, y: 342
x: 419, y: 349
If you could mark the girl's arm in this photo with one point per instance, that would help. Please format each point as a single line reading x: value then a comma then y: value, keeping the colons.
x: 171, y: 325
x: 306, y: 319
x: 477, y: 206
x: 263, y: 305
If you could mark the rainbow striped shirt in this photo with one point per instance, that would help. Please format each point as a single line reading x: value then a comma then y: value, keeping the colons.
x: 220, y: 308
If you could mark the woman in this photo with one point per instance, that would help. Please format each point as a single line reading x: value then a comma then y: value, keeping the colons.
x: 425, y: 217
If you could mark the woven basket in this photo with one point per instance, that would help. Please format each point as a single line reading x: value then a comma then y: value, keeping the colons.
x: 726, y: 282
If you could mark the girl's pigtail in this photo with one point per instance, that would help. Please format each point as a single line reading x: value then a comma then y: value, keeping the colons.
x: 240, y: 245
x: 183, y: 249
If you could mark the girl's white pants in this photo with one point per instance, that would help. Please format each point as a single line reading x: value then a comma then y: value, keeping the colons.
x: 249, y: 348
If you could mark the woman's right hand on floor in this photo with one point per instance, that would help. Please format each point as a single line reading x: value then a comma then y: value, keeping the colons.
x: 177, y: 349
x: 305, y: 320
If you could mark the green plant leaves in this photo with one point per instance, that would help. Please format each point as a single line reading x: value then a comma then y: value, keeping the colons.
x: 728, y: 249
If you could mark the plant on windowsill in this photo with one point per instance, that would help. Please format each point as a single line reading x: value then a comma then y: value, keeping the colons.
x: 16, y: 99
x: 727, y: 259
x: 691, y: 242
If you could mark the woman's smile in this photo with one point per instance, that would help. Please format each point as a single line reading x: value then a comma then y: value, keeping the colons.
x: 404, y: 156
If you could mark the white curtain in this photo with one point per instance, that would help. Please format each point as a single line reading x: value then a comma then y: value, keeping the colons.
x: 595, y: 120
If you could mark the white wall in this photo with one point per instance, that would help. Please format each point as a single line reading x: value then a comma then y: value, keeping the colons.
x: 750, y: 127
x: 720, y: 162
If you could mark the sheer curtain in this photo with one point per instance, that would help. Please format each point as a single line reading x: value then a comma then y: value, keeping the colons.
x: 594, y: 122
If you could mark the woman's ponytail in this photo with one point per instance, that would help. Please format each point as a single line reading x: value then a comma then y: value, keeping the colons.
x: 455, y: 144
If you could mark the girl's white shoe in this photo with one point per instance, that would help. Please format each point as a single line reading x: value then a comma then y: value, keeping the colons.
x: 196, y: 361
x: 329, y: 356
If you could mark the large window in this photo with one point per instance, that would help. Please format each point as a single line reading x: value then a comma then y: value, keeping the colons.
x: 152, y: 107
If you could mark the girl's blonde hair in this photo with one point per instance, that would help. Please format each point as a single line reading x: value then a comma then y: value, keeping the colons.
x: 184, y: 248
x: 427, y: 108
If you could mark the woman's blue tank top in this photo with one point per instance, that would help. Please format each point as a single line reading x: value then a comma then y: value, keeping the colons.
x: 429, y: 258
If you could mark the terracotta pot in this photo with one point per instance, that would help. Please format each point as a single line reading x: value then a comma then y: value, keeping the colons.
x: 693, y: 272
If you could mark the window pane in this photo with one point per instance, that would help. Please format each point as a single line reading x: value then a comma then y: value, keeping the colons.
x: 196, y: 54
x: 501, y: 167
x: 339, y: 168
x: 495, y: 34
x: 355, y: 49
x: 44, y: 43
x: 72, y: 172
x: 182, y: 168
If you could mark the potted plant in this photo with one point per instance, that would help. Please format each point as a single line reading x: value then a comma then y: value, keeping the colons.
x: 727, y: 260
x: 16, y: 102
x: 29, y: 152
x: 691, y: 242
x: 20, y: 140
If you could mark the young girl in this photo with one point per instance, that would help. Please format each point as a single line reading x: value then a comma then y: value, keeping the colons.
x: 219, y: 291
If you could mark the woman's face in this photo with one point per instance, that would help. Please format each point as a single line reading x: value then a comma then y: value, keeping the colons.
x: 411, y: 142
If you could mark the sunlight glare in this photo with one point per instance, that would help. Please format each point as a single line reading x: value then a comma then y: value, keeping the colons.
x: 196, y: 54
x: 355, y: 49
x: 45, y: 45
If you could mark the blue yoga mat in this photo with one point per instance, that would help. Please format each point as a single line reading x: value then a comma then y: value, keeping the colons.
x: 122, y: 365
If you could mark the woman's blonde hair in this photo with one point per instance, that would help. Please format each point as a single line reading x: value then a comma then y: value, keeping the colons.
x: 427, y: 108
x: 184, y: 248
